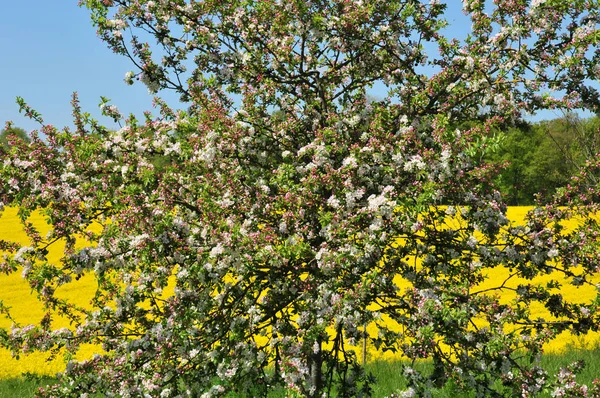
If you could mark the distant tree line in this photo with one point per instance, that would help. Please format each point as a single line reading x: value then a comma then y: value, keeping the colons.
x: 11, y: 131
x: 538, y: 158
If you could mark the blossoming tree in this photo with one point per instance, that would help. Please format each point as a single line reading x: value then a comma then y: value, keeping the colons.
x: 241, y: 245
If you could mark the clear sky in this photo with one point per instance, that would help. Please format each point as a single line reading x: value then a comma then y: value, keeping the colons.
x: 50, y: 49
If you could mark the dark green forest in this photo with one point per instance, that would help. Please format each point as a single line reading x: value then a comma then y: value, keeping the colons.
x: 536, y: 159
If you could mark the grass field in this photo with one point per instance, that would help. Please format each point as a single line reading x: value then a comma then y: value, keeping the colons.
x: 388, y: 375
x: 15, y: 293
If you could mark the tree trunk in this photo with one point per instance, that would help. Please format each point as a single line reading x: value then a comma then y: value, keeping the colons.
x: 316, y: 372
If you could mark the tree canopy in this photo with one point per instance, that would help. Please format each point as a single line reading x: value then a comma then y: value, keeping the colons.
x: 16, y: 132
x: 540, y: 158
x: 290, y: 204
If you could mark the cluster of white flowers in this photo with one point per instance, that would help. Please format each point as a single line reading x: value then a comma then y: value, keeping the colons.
x: 153, y: 85
x: 216, y: 250
x: 552, y: 253
x: 333, y: 201
x: 23, y: 164
x: 380, y: 205
x: 408, y: 393
x: 353, y: 196
x: 321, y: 155
x: 138, y: 240
x: 129, y: 77
x: 111, y: 111
x: 466, y: 61
x: 414, y: 163
x: 353, y: 121
x: 19, y: 256
x: 472, y: 242
x: 215, y: 391
x: 536, y: 3
x: 118, y: 24
x: 350, y: 161
x: 173, y: 148
x: 322, y: 256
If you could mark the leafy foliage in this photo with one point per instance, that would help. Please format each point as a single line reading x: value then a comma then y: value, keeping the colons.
x: 282, y: 234
x: 539, y: 158
x: 9, y: 134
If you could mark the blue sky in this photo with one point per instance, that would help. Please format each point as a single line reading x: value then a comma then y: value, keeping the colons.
x: 50, y: 49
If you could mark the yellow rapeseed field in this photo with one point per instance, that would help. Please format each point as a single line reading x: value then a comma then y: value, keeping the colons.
x: 15, y: 293
x: 497, y: 275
